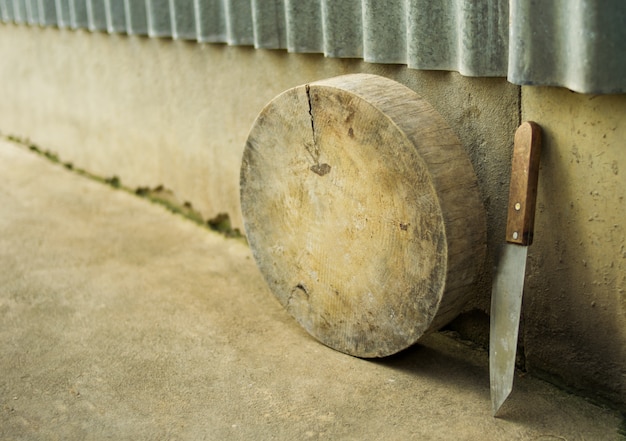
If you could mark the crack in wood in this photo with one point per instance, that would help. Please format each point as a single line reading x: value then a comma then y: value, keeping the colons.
x: 312, y: 148
x: 315, y: 155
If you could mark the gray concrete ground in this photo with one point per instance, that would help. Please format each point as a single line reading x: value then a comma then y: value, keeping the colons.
x: 120, y: 320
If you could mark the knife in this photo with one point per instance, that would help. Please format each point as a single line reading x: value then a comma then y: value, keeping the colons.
x: 508, y: 281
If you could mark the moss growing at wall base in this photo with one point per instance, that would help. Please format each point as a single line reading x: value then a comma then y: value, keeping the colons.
x: 159, y: 195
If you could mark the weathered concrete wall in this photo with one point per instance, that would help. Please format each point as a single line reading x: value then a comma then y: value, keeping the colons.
x: 161, y: 112
x: 575, y: 305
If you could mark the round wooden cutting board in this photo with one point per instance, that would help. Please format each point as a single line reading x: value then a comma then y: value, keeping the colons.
x: 363, y: 212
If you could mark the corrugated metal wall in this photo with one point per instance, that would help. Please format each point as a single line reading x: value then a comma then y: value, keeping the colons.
x: 579, y: 44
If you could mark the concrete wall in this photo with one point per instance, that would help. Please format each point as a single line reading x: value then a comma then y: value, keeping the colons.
x: 575, y: 305
x: 161, y: 112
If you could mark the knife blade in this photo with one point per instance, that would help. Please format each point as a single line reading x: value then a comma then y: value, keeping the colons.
x: 508, y: 280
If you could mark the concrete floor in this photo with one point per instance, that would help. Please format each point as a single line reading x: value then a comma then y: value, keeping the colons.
x: 121, y: 320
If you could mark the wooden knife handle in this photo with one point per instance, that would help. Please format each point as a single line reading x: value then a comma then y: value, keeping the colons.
x: 523, y: 187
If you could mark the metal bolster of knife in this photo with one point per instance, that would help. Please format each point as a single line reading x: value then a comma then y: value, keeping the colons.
x: 523, y: 189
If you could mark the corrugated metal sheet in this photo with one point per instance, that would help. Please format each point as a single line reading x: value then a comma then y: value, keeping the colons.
x: 136, y: 17
x: 579, y: 44
x: 78, y: 14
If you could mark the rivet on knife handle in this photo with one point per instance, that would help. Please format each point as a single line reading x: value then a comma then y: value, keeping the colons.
x: 523, y: 187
